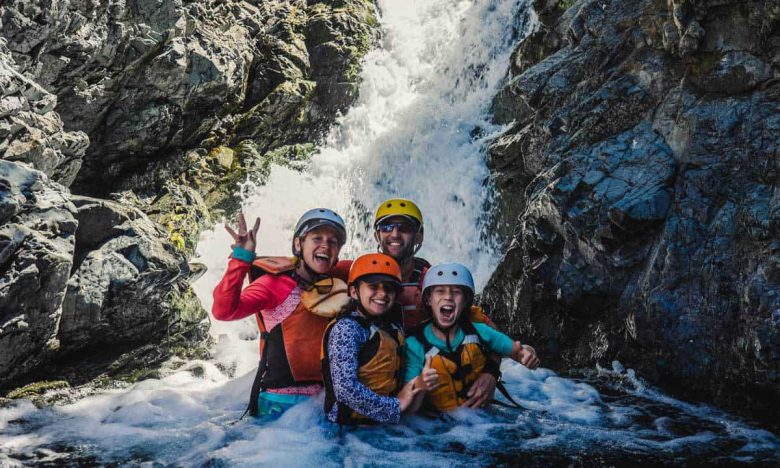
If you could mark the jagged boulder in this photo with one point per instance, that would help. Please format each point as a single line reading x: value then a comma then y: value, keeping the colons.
x: 30, y: 129
x: 37, y: 241
x: 150, y: 80
x: 640, y: 176
x: 81, y: 273
x: 126, y: 280
x: 169, y: 106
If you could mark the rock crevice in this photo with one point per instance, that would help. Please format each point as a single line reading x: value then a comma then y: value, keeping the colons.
x: 641, y: 166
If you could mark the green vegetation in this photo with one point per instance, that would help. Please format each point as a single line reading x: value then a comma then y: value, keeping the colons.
x: 37, y: 389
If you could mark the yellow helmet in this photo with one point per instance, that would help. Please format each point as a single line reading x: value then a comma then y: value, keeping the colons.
x: 398, y: 207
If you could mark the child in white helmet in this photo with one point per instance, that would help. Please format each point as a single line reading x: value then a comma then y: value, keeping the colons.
x: 448, y: 354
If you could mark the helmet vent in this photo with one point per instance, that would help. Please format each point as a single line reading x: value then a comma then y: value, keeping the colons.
x: 441, y: 273
x: 454, y: 273
x: 403, y: 204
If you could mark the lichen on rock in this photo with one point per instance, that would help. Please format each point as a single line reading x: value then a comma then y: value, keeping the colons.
x: 155, y: 113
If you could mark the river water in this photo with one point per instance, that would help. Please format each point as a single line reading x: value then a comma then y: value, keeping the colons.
x: 418, y: 130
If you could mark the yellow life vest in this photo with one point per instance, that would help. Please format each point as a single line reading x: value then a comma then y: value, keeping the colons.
x: 457, y: 369
x: 380, y: 363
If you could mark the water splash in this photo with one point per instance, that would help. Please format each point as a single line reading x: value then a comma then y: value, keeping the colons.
x: 185, y: 419
x: 418, y: 131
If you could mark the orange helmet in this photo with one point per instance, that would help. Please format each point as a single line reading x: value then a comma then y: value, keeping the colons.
x: 374, y: 268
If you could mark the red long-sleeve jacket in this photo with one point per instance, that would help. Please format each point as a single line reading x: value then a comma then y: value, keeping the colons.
x: 231, y: 302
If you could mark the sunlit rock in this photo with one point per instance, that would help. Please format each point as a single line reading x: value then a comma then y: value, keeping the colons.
x: 37, y: 241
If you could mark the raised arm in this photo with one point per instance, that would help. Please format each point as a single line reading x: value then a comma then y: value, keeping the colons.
x: 230, y: 301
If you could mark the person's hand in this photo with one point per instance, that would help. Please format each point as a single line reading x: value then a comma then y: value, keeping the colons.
x: 429, y: 377
x: 407, y: 394
x: 481, y: 391
x: 244, y: 238
x: 526, y: 356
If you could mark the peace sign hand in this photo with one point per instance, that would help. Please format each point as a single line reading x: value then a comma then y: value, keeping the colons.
x: 245, y: 239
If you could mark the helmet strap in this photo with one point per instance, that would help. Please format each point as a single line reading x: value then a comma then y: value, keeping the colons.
x: 445, y: 331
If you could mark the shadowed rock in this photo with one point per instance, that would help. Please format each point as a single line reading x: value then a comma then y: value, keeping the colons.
x: 124, y: 279
x: 37, y: 241
x: 642, y: 169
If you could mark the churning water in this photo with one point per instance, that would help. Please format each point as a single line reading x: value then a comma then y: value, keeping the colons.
x: 417, y: 131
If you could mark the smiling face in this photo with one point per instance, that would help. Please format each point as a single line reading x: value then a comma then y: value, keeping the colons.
x: 447, y: 304
x: 376, y: 298
x: 320, y: 248
x: 398, y: 242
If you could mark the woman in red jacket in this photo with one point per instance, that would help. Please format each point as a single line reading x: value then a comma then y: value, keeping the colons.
x: 291, y: 331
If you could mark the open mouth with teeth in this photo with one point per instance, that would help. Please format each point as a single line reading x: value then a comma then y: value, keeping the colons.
x: 395, y: 245
x: 320, y: 260
x: 447, y: 312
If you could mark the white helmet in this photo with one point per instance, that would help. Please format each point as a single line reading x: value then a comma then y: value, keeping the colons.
x: 317, y: 217
x: 448, y: 274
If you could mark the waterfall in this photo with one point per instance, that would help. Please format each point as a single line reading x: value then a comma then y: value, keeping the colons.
x: 417, y: 131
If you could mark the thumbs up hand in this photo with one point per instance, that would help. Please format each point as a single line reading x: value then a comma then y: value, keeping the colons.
x: 429, y: 377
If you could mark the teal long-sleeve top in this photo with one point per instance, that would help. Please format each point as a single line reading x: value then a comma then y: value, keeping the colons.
x: 415, y: 353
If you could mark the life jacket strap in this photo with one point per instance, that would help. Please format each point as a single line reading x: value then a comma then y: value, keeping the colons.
x: 500, y: 386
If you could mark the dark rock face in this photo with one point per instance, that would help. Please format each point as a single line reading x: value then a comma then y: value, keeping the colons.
x: 148, y: 80
x: 78, y: 273
x: 31, y: 131
x: 123, y: 281
x: 163, y: 107
x: 641, y: 169
x: 37, y: 241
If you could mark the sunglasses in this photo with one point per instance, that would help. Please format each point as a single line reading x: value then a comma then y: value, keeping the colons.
x: 403, y: 227
x: 323, y: 286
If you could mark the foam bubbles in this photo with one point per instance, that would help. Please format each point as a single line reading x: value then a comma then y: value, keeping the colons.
x: 418, y: 130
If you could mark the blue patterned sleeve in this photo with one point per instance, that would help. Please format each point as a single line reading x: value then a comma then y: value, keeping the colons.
x: 346, y: 339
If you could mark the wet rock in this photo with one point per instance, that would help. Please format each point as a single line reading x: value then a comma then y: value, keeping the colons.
x: 37, y: 241
x: 124, y: 279
x: 641, y: 173
x: 150, y: 80
x: 30, y: 129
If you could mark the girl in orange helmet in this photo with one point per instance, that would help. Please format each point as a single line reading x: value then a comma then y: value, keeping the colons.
x: 362, y: 356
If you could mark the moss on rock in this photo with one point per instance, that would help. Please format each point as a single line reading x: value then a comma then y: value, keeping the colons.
x: 37, y: 389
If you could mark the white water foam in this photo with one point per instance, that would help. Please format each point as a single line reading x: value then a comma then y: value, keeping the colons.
x: 423, y: 93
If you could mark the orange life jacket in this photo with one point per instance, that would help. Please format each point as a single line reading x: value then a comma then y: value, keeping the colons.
x: 457, y: 369
x: 411, y: 296
x: 380, y: 363
x: 291, y: 349
x: 289, y: 353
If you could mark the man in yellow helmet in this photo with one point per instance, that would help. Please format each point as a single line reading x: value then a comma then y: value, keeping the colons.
x: 399, y: 230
